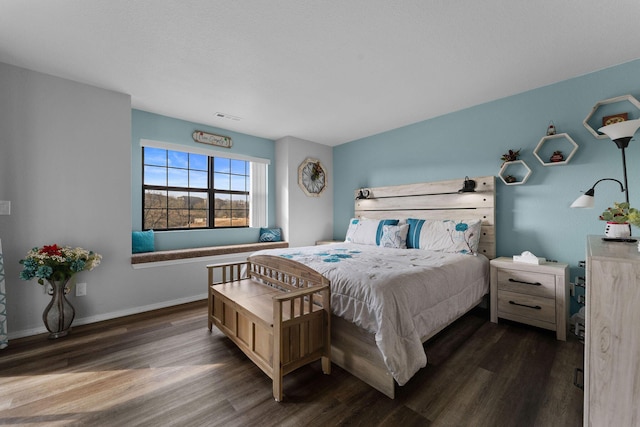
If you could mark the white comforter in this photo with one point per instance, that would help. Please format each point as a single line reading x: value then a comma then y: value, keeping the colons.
x: 400, y: 295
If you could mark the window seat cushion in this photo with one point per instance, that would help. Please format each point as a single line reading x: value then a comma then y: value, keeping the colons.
x: 204, y: 252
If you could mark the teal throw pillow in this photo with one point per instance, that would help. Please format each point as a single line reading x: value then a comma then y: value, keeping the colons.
x: 142, y: 241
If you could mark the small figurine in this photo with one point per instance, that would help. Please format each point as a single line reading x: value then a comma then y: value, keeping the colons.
x: 556, y: 157
x: 551, y: 130
x: 510, y: 178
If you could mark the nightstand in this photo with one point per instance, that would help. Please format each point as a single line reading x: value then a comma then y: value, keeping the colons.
x: 537, y: 295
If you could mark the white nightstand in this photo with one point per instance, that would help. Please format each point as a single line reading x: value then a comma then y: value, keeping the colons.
x: 537, y: 295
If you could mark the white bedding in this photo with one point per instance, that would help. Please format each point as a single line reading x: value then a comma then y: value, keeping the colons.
x: 400, y: 295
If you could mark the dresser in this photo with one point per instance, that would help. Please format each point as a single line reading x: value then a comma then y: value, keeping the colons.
x: 612, y: 334
x: 530, y: 293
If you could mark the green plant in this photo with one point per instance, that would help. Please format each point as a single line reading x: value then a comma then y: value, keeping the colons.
x: 621, y: 213
x: 510, y: 156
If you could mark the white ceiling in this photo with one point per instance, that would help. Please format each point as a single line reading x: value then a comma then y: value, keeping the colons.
x: 328, y: 71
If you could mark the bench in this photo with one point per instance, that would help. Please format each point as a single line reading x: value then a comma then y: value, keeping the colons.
x: 276, y: 310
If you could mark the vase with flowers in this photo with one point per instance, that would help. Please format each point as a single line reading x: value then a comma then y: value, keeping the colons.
x: 57, y: 265
x: 619, y: 218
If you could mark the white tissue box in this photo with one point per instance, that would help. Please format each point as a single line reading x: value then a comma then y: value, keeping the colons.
x: 529, y: 259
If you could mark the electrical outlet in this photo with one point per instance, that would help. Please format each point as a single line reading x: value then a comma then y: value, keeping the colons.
x: 81, y: 289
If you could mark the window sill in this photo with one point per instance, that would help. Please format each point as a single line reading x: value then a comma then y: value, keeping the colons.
x: 180, y: 254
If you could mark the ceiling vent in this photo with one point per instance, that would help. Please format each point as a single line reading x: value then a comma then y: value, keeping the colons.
x: 227, y: 116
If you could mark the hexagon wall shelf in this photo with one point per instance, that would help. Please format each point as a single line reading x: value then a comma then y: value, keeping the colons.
x: 518, y: 168
x: 602, y: 104
x: 558, y: 140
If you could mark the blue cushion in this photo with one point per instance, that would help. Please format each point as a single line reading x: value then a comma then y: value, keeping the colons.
x: 270, y: 234
x: 142, y: 241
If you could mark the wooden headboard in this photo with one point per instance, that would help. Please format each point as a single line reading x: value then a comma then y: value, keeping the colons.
x: 436, y: 200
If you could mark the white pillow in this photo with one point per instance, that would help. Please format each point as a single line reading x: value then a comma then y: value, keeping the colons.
x: 367, y: 231
x: 394, y: 236
x: 461, y: 236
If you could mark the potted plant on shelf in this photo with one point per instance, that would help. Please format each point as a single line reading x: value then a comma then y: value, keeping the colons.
x: 618, y: 219
x: 57, y: 265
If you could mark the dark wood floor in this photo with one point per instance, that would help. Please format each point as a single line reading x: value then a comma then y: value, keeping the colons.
x: 165, y: 368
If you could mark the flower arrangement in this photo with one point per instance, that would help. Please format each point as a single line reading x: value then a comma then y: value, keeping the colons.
x: 53, y: 262
x: 316, y: 171
x: 621, y: 213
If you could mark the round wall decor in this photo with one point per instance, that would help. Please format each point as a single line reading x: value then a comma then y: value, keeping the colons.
x: 312, y: 177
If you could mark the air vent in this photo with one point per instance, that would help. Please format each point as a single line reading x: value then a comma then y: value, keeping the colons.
x: 227, y: 116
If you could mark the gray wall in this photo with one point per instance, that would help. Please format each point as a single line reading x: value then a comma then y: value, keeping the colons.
x: 303, y: 219
x: 65, y: 165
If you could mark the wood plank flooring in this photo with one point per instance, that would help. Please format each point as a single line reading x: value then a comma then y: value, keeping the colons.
x: 165, y: 368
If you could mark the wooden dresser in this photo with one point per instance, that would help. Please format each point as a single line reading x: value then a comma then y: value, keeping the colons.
x: 612, y: 334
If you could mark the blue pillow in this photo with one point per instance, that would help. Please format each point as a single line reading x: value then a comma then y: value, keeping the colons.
x: 142, y: 241
x: 270, y: 235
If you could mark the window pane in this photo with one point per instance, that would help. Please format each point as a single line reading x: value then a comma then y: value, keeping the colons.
x: 221, y: 165
x: 198, y: 162
x: 178, y: 159
x: 221, y: 181
x: 198, y: 200
x: 198, y: 179
x: 154, y: 175
x: 155, y: 156
x: 178, y: 218
x: 238, y: 183
x: 178, y: 177
x: 239, y: 167
x: 155, y: 219
x: 222, y: 201
x: 178, y: 200
x: 198, y: 218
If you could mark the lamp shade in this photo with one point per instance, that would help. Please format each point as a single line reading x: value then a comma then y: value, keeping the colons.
x: 619, y: 130
x: 584, y: 201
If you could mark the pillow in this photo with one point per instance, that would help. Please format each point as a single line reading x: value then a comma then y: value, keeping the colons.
x: 394, y: 236
x: 367, y: 231
x: 142, y: 241
x: 461, y: 236
x: 270, y: 235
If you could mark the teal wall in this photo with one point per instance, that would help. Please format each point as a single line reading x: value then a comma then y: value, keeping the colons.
x: 156, y: 127
x: 534, y: 216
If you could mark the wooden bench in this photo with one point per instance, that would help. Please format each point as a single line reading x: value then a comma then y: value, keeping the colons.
x: 276, y: 310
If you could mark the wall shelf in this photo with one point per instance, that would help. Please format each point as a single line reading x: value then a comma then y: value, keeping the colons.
x: 606, y: 109
x: 555, y: 143
x: 518, y: 169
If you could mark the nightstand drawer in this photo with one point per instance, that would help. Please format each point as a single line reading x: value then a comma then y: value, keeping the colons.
x: 527, y: 282
x: 533, y: 307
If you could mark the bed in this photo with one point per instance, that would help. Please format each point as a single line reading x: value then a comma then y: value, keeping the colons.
x: 387, y: 301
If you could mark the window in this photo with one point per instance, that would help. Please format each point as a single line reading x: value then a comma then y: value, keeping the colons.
x: 183, y: 190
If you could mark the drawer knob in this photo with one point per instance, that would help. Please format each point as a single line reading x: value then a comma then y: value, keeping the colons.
x: 536, y: 307
x: 525, y: 283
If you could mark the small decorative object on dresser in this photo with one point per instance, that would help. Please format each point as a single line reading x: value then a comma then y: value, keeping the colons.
x: 57, y: 265
x: 617, y: 218
x: 533, y: 294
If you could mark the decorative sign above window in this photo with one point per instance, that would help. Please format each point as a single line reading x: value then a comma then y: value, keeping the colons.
x: 212, y: 139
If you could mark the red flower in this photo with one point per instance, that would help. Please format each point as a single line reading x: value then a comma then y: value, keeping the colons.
x: 51, y: 250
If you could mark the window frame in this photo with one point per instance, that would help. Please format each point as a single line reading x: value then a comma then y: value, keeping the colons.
x: 254, y: 194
